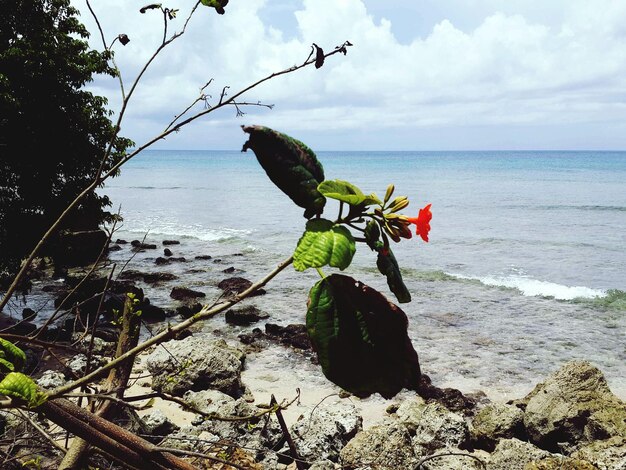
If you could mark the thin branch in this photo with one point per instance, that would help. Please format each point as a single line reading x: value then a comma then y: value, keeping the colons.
x: 42, y: 431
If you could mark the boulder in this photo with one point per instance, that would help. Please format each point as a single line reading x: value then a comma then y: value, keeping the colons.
x: 120, y: 241
x: 78, y: 364
x: 167, y: 252
x: 323, y: 432
x: 203, y: 257
x: 28, y: 314
x: 152, y: 278
x: 161, y: 261
x: 236, y: 285
x: 294, y: 335
x: 186, y: 311
x: 156, y: 423
x: 183, y: 293
x: 513, y: 454
x: 497, y: 421
x: 454, y: 459
x: 245, y: 315
x: 137, y: 245
x: 114, y: 247
x: 609, y: 454
x: 196, y: 363
x: 573, y: 406
x: 451, y: 398
x: 386, y: 445
x: 171, y: 242
x: 323, y: 464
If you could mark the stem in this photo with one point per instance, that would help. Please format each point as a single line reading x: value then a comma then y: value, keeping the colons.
x: 321, y: 273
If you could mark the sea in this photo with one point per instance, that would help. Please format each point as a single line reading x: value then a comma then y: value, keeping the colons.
x: 525, y: 268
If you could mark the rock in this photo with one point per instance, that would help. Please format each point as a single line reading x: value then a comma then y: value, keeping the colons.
x: 114, y: 248
x: 254, y: 433
x: 252, y: 337
x: 461, y: 460
x: 100, y: 346
x: 157, y: 424
x: 183, y: 293
x: 152, y: 278
x: 573, y: 406
x: 197, y: 363
x: 495, y: 422
x: 167, y: 252
x: 190, y: 438
x: 78, y: 364
x: 161, y: 261
x: 322, y: 433
x: 151, y: 312
x: 229, y: 270
x: 236, y: 285
x: 513, y: 454
x: 609, y: 454
x: 245, y: 316
x: 51, y: 379
x: 28, y: 314
x: 560, y: 463
x: 203, y: 257
x: 451, y: 398
x: 171, y: 242
x: 186, y: 311
x: 292, y: 335
x: 323, y: 464
x: 120, y: 241
x: 435, y: 427
x: 137, y: 245
x: 385, y: 445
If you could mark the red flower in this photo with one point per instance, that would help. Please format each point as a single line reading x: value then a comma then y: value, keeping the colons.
x: 422, y: 222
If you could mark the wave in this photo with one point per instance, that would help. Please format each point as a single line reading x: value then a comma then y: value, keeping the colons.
x: 535, y: 288
x: 552, y: 207
x: 219, y: 234
x: 613, y: 300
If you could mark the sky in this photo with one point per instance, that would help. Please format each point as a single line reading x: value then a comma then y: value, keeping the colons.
x: 421, y: 74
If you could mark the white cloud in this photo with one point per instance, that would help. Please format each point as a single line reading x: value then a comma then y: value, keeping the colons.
x: 514, y: 67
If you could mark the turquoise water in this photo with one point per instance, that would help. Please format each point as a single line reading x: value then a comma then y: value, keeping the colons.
x: 525, y: 268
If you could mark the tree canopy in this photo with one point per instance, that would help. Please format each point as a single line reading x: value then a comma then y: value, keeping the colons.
x: 53, y: 133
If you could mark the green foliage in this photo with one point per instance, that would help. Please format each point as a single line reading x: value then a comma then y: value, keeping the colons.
x: 12, y: 358
x: 324, y: 243
x: 291, y: 166
x: 217, y: 4
x: 347, y: 192
x: 388, y: 266
x: 53, y: 133
x: 22, y: 388
x: 360, y: 338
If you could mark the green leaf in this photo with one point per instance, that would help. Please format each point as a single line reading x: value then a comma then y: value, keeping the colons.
x: 291, y: 166
x: 217, y: 4
x: 324, y: 243
x: 11, y: 354
x: 388, y: 266
x: 360, y: 338
x: 372, y: 234
x: 347, y: 192
x: 21, y: 387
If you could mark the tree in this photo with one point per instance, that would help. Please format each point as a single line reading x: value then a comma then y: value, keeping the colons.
x: 53, y: 133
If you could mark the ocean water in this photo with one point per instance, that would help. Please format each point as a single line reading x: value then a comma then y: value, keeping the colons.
x: 525, y: 268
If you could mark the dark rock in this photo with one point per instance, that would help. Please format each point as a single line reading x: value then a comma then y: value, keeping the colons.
x: 161, y: 261
x: 167, y: 252
x: 229, y: 270
x: 53, y: 288
x: 203, y: 257
x: 151, y: 312
x: 217, y: 260
x: 119, y: 241
x: 151, y: 278
x: 10, y: 325
x: 171, y: 242
x: 131, y: 274
x: 451, y: 398
x: 28, y: 314
x: 236, y: 285
x: 294, y: 335
x: 186, y: 311
x: 143, y: 246
x: 252, y: 337
x: 245, y: 316
x: 183, y: 293
x: 114, y: 248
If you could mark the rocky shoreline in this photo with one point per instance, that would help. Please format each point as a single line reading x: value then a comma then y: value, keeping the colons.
x: 570, y: 421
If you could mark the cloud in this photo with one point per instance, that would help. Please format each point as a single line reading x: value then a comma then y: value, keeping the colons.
x: 563, y: 69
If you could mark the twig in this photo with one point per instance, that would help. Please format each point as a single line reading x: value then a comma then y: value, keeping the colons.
x: 42, y: 431
x: 449, y: 454
x: 285, y: 429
